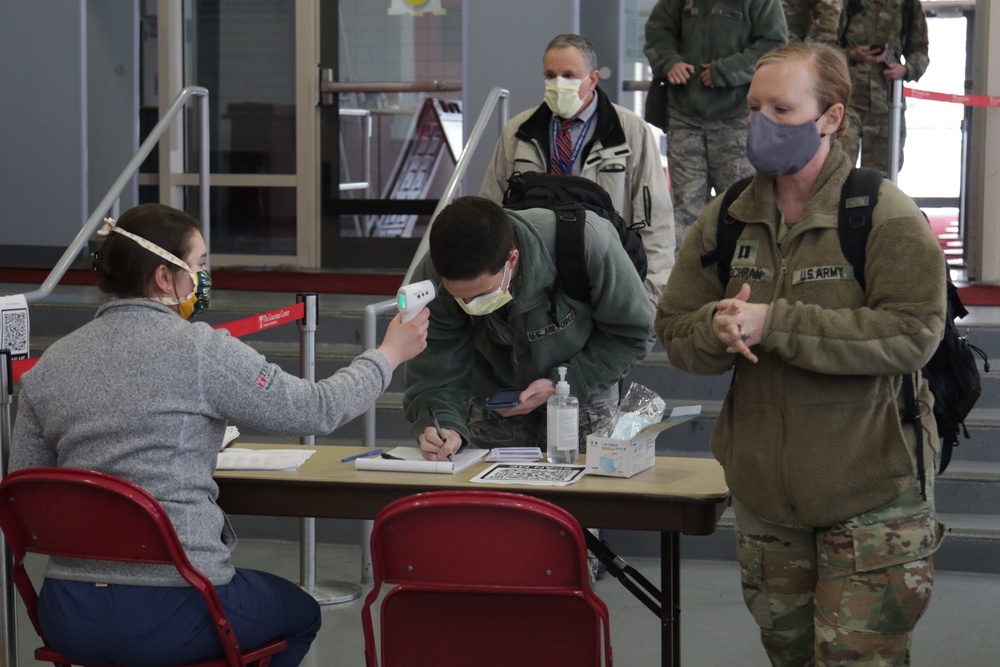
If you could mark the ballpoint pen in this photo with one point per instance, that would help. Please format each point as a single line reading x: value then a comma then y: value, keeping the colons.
x: 362, y: 455
x: 437, y: 427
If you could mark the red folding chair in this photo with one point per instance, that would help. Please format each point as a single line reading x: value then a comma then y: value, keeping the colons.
x: 482, y: 578
x: 84, y: 514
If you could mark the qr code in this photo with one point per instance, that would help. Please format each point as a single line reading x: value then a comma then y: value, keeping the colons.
x: 14, y: 335
x: 524, y: 473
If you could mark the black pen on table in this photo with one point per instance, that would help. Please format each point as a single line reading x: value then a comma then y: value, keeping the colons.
x: 437, y: 427
x: 362, y: 455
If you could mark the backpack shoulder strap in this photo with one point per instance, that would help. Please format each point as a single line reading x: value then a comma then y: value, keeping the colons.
x: 727, y: 233
x: 854, y: 217
x: 571, y: 268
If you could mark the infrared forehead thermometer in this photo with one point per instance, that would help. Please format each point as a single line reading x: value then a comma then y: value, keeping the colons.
x: 411, y: 299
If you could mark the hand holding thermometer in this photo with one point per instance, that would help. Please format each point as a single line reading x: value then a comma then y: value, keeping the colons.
x: 411, y: 299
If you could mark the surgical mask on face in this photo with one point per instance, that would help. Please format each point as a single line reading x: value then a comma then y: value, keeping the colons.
x: 194, y: 303
x: 778, y: 150
x: 563, y: 96
x: 485, y: 304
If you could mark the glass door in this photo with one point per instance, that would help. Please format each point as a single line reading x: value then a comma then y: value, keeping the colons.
x: 390, y: 125
x: 258, y: 60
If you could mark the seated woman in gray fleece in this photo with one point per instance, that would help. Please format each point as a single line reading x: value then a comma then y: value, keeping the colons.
x: 143, y: 394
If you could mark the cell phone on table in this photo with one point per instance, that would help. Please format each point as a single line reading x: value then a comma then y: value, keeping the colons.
x: 503, y: 398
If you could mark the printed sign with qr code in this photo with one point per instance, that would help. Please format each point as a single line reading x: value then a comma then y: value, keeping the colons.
x: 14, y: 326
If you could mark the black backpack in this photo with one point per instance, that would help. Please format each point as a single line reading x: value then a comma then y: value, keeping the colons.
x: 952, y: 373
x: 570, y: 197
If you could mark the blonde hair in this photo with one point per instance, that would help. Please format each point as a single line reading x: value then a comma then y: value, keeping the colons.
x: 831, y: 76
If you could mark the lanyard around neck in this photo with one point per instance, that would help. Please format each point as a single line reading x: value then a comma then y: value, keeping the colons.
x: 577, y: 145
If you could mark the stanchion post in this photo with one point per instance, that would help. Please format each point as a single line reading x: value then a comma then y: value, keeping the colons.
x: 369, y: 338
x: 8, y: 657
x: 895, y: 128
x: 337, y: 591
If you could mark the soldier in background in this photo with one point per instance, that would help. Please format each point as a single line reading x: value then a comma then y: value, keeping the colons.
x: 884, y: 40
x: 813, y: 20
x: 708, y: 53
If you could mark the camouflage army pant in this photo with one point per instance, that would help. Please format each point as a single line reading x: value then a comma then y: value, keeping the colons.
x: 487, y: 429
x: 703, y: 155
x: 849, y: 594
x: 868, y: 132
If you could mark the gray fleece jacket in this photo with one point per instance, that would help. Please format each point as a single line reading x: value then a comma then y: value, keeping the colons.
x: 142, y: 394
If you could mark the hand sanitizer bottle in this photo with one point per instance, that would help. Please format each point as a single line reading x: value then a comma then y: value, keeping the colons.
x: 563, y: 433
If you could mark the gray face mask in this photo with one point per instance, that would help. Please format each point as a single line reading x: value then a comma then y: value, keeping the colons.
x: 777, y: 150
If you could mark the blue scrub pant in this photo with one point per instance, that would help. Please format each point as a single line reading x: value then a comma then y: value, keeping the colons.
x: 153, y: 626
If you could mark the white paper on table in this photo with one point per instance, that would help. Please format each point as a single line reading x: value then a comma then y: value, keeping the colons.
x: 236, y: 458
x: 515, y: 454
x: 535, y: 474
x: 231, y: 434
x: 15, y: 326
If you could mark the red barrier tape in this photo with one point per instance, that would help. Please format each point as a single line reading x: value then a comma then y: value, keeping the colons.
x: 237, y: 328
x: 967, y: 100
x: 269, y: 320
x: 22, y: 366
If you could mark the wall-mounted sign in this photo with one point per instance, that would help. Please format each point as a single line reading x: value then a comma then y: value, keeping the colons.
x: 416, y: 7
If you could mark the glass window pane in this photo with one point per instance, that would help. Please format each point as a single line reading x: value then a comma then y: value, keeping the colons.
x: 243, y: 51
x: 249, y: 221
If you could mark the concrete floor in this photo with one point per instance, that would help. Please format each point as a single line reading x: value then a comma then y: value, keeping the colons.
x: 959, y: 629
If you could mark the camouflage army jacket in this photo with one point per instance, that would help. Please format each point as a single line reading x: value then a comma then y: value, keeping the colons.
x: 813, y: 20
x: 868, y: 22
x: 728, y: 35
x: 812, y: 433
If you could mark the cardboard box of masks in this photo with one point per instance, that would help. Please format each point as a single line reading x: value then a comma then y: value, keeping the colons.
x: 614, y: 457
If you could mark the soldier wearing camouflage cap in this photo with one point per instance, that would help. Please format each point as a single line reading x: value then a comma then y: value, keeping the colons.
x: 813, y: 20
x: 885, y: 40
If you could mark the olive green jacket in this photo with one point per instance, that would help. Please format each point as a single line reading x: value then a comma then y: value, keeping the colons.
x: 728, y: 35
x: 811, y: 434
x: 598, y: 341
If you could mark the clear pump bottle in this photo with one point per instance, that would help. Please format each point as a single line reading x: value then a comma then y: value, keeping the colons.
x: 563, y: 421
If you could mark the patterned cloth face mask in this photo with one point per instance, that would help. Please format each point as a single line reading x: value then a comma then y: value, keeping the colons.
x: 194, y: 303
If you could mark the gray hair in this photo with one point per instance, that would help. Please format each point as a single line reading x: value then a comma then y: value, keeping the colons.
x: 576, y: 41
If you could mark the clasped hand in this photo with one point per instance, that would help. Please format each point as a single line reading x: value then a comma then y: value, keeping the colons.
x: 738, y: 324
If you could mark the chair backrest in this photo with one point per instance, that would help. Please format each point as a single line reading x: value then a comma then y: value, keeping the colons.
x: 491, y: 577
x: 85, y: 514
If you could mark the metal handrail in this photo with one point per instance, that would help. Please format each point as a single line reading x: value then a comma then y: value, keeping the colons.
x: 114, y: 193
x: 329, y: 87
x: 372, y: 311
x: 496, y: 95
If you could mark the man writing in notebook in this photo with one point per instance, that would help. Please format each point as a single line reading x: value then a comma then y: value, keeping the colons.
x: 495, y: 325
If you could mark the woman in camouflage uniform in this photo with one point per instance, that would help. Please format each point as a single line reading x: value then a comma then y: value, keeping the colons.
x: 835, y: 538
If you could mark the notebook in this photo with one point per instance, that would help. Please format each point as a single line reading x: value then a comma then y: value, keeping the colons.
x: 409, y: 459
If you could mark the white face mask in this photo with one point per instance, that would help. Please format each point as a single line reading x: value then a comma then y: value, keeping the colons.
x: 484, y: 304
x: 563, y: 96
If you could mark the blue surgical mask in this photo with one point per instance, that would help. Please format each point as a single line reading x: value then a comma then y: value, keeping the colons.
x: 778, y: 150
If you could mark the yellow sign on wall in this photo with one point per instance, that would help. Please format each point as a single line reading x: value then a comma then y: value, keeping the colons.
x: 416, y: 7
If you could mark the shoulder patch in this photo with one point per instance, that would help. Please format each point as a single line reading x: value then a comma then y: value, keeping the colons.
x: 265, y: 376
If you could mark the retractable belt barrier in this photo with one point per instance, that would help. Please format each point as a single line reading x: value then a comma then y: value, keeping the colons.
x: 238, y: 328
x: 967, y: 100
